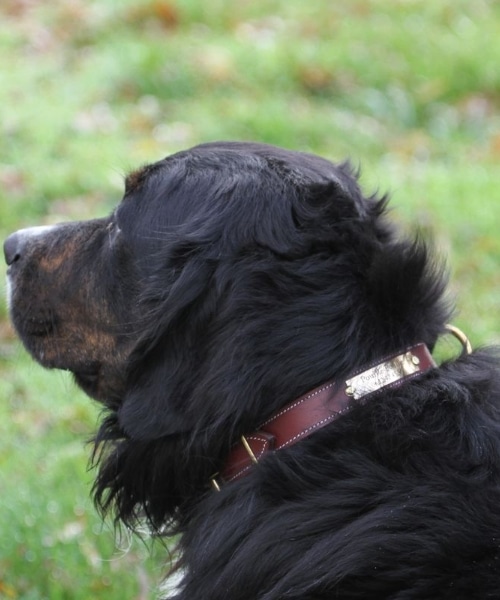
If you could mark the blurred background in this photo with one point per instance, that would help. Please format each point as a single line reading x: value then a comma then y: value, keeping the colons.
x: 407, y: 89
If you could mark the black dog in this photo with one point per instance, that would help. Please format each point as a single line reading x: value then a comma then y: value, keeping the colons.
x: 232, y: 281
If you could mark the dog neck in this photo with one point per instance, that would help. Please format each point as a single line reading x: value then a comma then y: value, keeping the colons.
x: 321, y: 406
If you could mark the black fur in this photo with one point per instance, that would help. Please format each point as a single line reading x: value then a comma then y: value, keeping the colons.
x: 256, y: 274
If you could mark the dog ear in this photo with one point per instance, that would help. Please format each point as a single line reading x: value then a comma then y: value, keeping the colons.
x: 161, y: 379
x: 151, y: 408
x: 336, y: 209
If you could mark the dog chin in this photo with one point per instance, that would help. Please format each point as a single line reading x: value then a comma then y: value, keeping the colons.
x: 100, y: 386
x: 88, y: 381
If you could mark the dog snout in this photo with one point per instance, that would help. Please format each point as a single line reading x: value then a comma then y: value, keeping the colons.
x: 12, y: 248
x: 16, y: 245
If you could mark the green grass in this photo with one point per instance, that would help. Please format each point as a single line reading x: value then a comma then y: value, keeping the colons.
x: 92, y: 88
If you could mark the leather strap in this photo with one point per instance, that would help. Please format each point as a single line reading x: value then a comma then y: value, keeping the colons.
x: 321, y: 406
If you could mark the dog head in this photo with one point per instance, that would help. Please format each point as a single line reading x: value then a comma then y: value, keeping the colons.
x: 230, y: 279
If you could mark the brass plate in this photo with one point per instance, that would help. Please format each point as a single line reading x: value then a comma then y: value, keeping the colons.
x: 382, y: 375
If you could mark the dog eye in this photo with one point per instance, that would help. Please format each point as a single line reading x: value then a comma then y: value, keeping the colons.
x: 113, y: 230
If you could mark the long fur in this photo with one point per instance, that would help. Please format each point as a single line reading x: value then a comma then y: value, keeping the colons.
x: 398, y: 499
x: 264, y: 273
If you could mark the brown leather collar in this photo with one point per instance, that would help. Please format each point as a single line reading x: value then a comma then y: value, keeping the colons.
x: 321, y: 406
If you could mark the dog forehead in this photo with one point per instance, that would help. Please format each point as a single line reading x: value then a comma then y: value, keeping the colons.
x: 135, y: 179
x: 223, y: 167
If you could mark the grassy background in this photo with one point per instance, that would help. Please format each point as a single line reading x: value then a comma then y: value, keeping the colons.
x: 89, y: 89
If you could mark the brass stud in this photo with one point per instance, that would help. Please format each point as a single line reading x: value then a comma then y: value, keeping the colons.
x: 249, y: 450
x: 349, y: 391
x: 214, y: 484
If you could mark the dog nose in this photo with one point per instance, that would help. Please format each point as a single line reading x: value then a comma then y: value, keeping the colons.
x: 12, y: 248
x: 20, y: 242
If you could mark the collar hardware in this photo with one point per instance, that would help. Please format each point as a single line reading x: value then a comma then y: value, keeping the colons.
x: 461, y: 337
x: 325, y: 404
